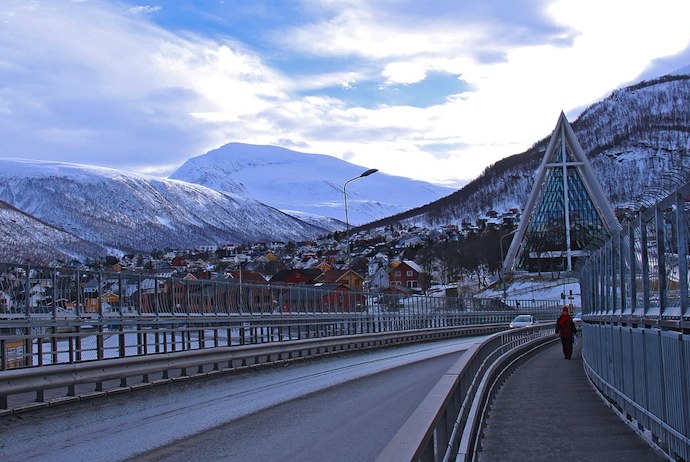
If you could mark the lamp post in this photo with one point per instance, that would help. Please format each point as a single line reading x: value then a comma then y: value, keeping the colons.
x: 371, y: 171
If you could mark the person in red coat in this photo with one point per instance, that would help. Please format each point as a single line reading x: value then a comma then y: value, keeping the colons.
x: 565, y: 327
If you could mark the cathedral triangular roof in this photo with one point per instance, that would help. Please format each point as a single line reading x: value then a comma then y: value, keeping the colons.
x: 565, y: 180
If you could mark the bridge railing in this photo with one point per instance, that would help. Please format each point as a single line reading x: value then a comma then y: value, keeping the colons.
x: 637, y: 319
x: 446, y: 424
x: 66, y: 293
x: 55, y: 315
x: 27, y: 388
x: 641, y: 272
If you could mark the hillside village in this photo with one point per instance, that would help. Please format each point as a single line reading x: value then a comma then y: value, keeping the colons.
x: 409, y: 259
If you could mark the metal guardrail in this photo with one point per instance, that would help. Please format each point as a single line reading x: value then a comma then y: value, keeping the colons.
x: 445, y: 425
x: 63, y: 315
x: 636, y: 310
x: 643, y: 372
x: 174, y: 366
x: 70, y: 294
x: 641, y: 272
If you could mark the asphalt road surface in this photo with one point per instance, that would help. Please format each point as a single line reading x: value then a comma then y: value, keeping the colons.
x: 343, y: 407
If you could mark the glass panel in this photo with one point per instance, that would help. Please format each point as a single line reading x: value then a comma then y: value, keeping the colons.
x: 639, y: 286
x: 545, y: 247
x: 671, y: 254
x: 653, y: 265
x: 685, y: 228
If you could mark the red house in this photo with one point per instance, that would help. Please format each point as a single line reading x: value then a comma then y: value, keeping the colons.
x: 321, y: 298
x: 406, y: 274
x: 291, y: 277
x: 178, y: 263
x: 247, y: 276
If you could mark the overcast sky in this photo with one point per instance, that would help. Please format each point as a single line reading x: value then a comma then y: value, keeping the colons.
x: 434, y: 90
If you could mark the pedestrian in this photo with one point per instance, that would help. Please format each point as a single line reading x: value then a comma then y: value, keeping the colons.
x: 565, y: 327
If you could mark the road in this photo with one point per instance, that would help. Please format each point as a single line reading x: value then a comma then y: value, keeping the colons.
x: 344, y: 407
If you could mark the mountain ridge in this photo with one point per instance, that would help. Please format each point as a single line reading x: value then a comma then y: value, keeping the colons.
x: 309, y: 183
x: 138, y: 212
x: 631, y: 137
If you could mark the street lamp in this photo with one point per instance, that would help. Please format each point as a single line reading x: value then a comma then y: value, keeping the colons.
x: 371, y: 171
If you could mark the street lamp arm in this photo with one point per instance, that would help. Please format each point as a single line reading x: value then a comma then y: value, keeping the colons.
x: 371, y: 171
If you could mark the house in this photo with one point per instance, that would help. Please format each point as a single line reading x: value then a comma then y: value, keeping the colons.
x: 324, y: 266
x: 178, y: 263
x: 379, y: 280
x: 348, y: 278
x: 321, y: 297
x: 377, y: 261
x: 247, y: 276
x: 295, y: 276
x: 407, y: 274
x: 208, y: 248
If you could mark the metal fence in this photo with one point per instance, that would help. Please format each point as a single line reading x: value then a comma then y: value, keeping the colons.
x: 635, y: 305
x: 447, y: 422
x: 64, y: 315
x: 646, y: 375
x: 642, y: 271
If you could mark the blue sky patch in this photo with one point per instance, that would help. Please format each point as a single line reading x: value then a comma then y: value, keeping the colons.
x: 431, y: 91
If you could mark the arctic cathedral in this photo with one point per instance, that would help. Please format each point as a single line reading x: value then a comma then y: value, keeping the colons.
x: 566, y: 210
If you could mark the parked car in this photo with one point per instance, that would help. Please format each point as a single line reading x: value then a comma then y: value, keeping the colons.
x: 522, y: 320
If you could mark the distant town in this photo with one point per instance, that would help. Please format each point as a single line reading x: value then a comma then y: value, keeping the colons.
x: 406, y: 258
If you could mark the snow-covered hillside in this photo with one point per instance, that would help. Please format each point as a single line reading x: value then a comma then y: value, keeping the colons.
x: 23, y: 238
x: 634, y: 138
x: 309, y: 183
x: 129, y: 211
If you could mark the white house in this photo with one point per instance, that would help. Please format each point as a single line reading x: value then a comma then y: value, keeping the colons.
x: 377, y: 261
x: 379, y: 280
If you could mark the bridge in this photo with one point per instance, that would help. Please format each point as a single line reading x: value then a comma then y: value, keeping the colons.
x: 75, y: 343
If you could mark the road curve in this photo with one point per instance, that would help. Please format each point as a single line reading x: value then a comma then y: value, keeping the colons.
x: 344, y: 407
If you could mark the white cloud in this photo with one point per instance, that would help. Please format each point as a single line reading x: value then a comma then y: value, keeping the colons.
x: 91, y: 82
x: 145, y: 9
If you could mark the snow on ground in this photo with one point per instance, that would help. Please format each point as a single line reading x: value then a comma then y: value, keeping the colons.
x: 534, y: 287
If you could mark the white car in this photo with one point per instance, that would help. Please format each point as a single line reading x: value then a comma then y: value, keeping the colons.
x: 522, y: 320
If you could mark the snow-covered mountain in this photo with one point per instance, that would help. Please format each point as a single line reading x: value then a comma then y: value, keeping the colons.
x: 24, y: 238
x: 309, y: 183
x: 636, y: 138
x: 128, y: 211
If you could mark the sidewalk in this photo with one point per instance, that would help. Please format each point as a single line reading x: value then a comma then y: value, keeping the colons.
x: 548, y: 411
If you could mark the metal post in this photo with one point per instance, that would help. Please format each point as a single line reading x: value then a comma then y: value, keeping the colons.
x: 55, y: 293
x: 661, y: 259
x: 27, y: 291
x: 633, y: 265
x: 682, y: 230
x: 645, y: 266
x: 622, y: 271
x: 347, y: 223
